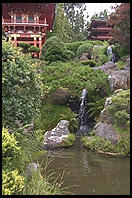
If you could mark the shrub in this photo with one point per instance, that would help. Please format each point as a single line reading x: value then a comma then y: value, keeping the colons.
x: 120, y: 110
x: 33, y: 49
x: 73, y: 46
x: 74, y: 77
x: 54, y: 50
x: 24, y: 47
x: 12, y: 182
x: 69, y: 54
x: 50, y: 42
x: 91, y: 63
x: 100, y: 144
x: 120, y: 64
x: 10, y: 150
x: 85, y: 48
x: 21, y: 86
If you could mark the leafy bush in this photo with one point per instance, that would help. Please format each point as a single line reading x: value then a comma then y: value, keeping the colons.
x: 120, y: 64
x: 24, y: 47
x: 33, y: 49
x: 10, y: 149
x: 55, y: 50
x: 12, y: 181
x: 95, y: 107
x: 120, y: 110
x: 85, y: 48
x: 21, y: 86
x: 99, y: 55
x: 50, y: 42
x: 91, y: 63
x: 55, y: 113
x: 75, y: 45
x: 97, y: 143
x: 69, y: 54
x: 124, y: 51
x: 73, y: 76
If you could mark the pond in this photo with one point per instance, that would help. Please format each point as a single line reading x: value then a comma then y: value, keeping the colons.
x: 90, y: 173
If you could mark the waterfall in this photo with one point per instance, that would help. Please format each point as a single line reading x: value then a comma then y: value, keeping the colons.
x: 84, y: 128
x: 111, y: 54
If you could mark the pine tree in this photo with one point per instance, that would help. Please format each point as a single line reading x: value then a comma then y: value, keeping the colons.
x: 62, y: 28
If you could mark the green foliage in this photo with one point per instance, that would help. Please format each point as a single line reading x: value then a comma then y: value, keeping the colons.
x: 124, y: 51
x: 12, y: 181
x: 120, y: 108
x: 99, y: 55
x: 75, y: 45
x: 10, y: 149
x: 33, y: 49
x: 21, y: 86
x: 62, y: 28
x: 69, y: 140
x: 85, y: 48
x: 52, y: 114
x: 91, y: 63
x: 120, y: 64
x: 69, y: 54
x: 52, y: 41
x: 55, y: 50
x: 73, y: 76
x: 24, y: 46
x: 95, y: 107
x: 100, y: 144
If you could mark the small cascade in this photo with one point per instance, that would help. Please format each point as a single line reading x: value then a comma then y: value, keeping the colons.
x: 111, y: 54
x: 84, y: 128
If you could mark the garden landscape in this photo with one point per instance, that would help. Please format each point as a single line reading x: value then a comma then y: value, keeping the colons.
x: 65, y: 101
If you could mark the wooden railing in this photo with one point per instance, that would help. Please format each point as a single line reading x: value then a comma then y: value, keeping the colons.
x: 9, y: 21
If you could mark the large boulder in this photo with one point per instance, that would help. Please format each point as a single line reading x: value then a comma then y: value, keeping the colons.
x: 118, y: 79
x: 107, y: 132
x: 108, y: 67
x: 57, y: 136
x: 60, y: 97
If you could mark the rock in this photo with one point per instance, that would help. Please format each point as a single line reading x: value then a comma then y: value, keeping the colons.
x: 56, y: 137
x: 85, y: 56
x: 31, y: 168
x: 118, y: 79
x: 28, y: 130
x: 108, y: 67
x: 60, y: 97
x: 106, y: 131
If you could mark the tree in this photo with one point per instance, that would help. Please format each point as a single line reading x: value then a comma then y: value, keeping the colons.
x: 62, y: 28
x: 120, y: 19
x: 102, y: 14
x: 75, y: 15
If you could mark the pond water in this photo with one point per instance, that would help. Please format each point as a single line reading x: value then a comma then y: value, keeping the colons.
x: 90, y: 173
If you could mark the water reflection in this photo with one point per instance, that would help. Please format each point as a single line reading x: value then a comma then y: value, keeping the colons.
x: 90, y: 172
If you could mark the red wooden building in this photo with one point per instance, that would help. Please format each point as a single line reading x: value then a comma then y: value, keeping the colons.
x: 28, y: 22
x: 99, y: 30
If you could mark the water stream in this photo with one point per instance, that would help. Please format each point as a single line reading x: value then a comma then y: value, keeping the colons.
x: 84, y: 126
x: 89, y: 173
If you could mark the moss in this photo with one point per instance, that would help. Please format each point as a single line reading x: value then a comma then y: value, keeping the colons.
x: 120, y: 111
x: 51, y: 115
x: 97, y: 143
x: 120, y: 64
x: 68, y: 142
